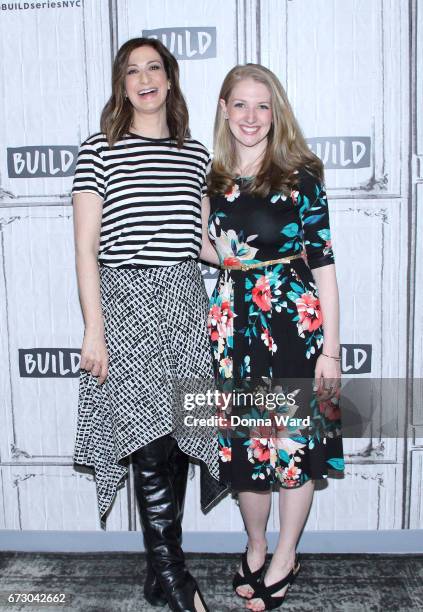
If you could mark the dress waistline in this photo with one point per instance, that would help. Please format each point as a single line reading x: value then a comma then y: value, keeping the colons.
x: 261, y: 264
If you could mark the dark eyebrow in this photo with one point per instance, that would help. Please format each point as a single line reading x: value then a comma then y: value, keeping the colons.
x: 150, y: 62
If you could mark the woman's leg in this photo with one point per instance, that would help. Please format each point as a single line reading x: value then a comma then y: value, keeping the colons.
x: 294, y: 507
x: 255, y: 508
x: 160, y: 504
x: 177, y: 462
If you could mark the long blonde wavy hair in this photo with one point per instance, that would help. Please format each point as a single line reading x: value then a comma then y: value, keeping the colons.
x: 286, y: 151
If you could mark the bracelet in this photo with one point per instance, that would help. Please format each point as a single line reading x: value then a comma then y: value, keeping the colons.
x: 331, y: 357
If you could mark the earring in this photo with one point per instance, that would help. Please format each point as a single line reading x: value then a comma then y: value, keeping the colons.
x: 169, y: 85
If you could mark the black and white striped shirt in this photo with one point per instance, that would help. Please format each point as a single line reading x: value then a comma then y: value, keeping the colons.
x: 151, y: 193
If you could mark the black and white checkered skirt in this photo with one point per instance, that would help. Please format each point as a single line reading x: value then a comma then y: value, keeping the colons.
x: 155, y: 328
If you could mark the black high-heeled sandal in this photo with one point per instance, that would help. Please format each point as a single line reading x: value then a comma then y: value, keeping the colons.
x: 249, y: 578
x: 265, y: 593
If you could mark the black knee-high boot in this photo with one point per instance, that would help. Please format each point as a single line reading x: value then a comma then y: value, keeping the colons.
x: 161, y: 520
x: 178, y: 465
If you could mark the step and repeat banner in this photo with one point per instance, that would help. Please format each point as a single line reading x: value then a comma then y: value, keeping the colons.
x: 348, y: 71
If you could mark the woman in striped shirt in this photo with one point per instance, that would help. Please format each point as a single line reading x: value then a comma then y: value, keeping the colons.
x: 137, y: 197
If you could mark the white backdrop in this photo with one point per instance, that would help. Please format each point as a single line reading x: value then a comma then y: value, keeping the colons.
x: 355, y: 87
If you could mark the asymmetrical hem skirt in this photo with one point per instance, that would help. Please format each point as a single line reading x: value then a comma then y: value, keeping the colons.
x: 159, y: 350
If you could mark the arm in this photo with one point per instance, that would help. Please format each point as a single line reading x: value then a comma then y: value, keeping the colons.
x: 87, y: 224
x: 208, y: 252
x: 328, y: 370
x: 314, y: 212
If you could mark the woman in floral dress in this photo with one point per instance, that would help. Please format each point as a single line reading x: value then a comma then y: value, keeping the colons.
x: 273, y: 322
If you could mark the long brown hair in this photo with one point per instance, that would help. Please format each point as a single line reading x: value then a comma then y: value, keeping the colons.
x: 116, y: 117
x: 286, y: 150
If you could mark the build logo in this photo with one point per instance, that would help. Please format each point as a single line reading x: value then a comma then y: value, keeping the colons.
x: 49, y: 363
x: 40, y: 162
x: 186, y: 43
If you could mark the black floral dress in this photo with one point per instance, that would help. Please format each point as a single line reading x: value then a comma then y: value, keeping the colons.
x: 265, y: 326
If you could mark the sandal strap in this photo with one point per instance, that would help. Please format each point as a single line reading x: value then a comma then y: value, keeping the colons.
x: 248, y: 574
x: 265, y: 592
x: 277, y: 586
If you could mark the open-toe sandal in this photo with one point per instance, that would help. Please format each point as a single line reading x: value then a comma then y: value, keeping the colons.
x: 249, y: 578
x: 265, y: 593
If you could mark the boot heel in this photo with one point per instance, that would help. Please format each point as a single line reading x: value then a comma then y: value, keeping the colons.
x: 181, y: 597
x: 203, y: 603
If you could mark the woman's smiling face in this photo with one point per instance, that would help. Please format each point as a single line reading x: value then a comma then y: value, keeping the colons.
x: 249, y: 112
x: 146, y: 82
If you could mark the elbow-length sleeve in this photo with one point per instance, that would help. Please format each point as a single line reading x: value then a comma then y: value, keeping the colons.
x: 89, y: 171
x: 204, y: 178
x: 314, y: 214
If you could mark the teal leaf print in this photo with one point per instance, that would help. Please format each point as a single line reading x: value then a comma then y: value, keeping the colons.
x: 305, y: 202
x: 312, y: 219
x: 324, y: 233
x: 283, y: 455
x: 286, y: 247
x: 263, y: 320
x: 337, y: 463
x: 255, y: 414
x: 296, y: 287
x: 292, y: 296
x: 290, y: 230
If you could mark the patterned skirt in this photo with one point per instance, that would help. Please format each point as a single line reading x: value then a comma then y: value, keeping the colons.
x: 156, y: 335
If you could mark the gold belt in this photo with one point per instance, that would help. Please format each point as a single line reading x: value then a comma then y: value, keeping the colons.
x: 262, y: 264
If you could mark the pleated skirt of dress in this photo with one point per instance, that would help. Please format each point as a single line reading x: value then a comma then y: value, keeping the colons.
x: 156, y: 335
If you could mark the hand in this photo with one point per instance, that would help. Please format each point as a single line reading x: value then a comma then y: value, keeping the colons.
x: 327, y: 378
x: 94, y: 356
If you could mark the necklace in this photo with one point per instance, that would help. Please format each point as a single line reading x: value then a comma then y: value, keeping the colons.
x: 243, y: 171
